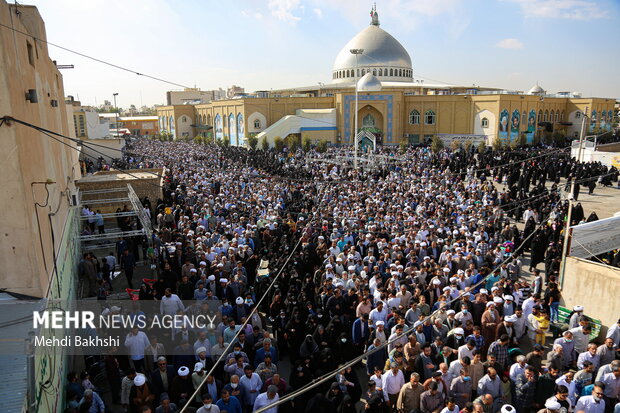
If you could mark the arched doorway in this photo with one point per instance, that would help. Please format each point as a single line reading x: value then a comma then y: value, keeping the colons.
x: 370, y: 119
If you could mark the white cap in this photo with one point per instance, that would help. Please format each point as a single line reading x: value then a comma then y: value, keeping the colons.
x: 183, y: 371
x: 509, y: 297
x: 489, y: 304
x: 446, y: 270
x: 484, y: 291
x: 139, y: 380
x: 450, y: 312
x: 552, y: 404
x: 454, y: 279
x: 459, y: 330
x: 498, y: 300
x: 203, y: 263
x: 198, y: 366
x: 351, y: 268
x: 578, y: 308
x: 329, y: 266
x: 511, y: 318
x: 223, y: 280
x: 193, y: 270
x: 493, y: 289
x: 436, y: 282
x: 508, y: 409
x: 239, y: 300
x: 380, y: 323
x: 211, y: 277
x: 447, y: 289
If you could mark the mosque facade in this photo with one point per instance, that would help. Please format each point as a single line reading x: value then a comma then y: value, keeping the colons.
x: 392, y: 104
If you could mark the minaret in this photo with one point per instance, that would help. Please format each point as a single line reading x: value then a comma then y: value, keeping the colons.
x: 374, y: 15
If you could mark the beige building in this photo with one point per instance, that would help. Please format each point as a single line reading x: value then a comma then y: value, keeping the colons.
x: 38, y: 252
x: 393, y: 104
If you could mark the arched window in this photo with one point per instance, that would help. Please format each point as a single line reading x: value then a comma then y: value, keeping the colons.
x: 209, y: 120
x: 400, y: 72
x: 540, y: 115
x: 429, y: 117
x: 414, y: 117
x: 546, y: 115
x: 374, y: 72
x: 485, y: 123
x: 562, y: 116
x: 380, y: 72
x: 257, y: 124
x: 557, y: 115
x: 391, y: 72
x: 551, y: 116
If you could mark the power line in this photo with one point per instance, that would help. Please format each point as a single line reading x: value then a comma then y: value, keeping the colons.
x: 94, y: 58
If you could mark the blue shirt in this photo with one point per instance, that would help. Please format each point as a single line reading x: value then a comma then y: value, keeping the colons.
x: 233, y: 405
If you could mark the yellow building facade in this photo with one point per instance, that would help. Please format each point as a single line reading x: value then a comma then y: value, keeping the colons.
x: 392, y: 104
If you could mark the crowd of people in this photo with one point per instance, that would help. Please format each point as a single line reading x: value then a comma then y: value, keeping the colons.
x: 416, y: 267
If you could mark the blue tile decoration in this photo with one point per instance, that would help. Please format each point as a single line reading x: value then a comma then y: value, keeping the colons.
x: 350, y: 99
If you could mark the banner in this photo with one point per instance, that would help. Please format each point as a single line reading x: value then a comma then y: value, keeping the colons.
x: 503, y: 124
x: 594, y: 238
x: 240, y: 128
x: 219, y: 131
x: 232, y: 130
x: 448, y: 138
x: 592, y: 120
x: 531, y: 126
x: 515, y: 122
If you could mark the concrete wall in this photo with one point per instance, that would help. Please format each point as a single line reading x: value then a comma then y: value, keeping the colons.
x: 28, y: 156
x: 594, y: 286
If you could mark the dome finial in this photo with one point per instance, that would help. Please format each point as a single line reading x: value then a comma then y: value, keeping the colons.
x: 374, y: 15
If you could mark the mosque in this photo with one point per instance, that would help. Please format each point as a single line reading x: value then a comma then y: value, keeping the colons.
x: 392, y: 104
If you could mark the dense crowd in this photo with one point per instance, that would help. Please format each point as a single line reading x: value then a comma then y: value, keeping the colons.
x: 416, y: 264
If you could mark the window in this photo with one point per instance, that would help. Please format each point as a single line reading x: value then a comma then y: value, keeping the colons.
x: 30, y: 53
x: 557, y: 115
x: 546, y: 115
x: 485, y: 123
x: 551, y: 117
x: 429, y: 117
x: 257, y: 124
x: 183, y: 119
x: 562, y: 116
x: 380, y: 72
x: 374, y: 72
x: 414, y: 117
x: 577, y: 115
x: 391, y: 72
x: 540, y: 115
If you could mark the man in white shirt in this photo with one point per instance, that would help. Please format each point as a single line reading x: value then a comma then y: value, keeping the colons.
x: 266, y: 399
x: 467, y: 349
x: 593, y: 403
x: 136, y: 342
x: 170, y: 303
x: 251, y: 384
x: 391, y: 382
x: 518, y: 368
x: 378, y: 314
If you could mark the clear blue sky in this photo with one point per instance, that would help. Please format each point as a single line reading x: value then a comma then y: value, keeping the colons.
x: 565, y: 45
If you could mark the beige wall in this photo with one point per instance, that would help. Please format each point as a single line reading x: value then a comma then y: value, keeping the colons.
x: 28, y: 156
x: 594, y: 286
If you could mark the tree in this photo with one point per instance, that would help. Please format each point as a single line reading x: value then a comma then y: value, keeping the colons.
x: 253, y: 142
x: 306, y: 144
x: 321, y: 146
x: 226, y: 142
x: 559, y: 138
x: 265, y: 144
x: 455, y: 145
x: 482, y: 147
x: 403, y: 147
x: 436, y: 144
x: 278, y: 144
x: 198, y: 139
x: 497, y: 144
